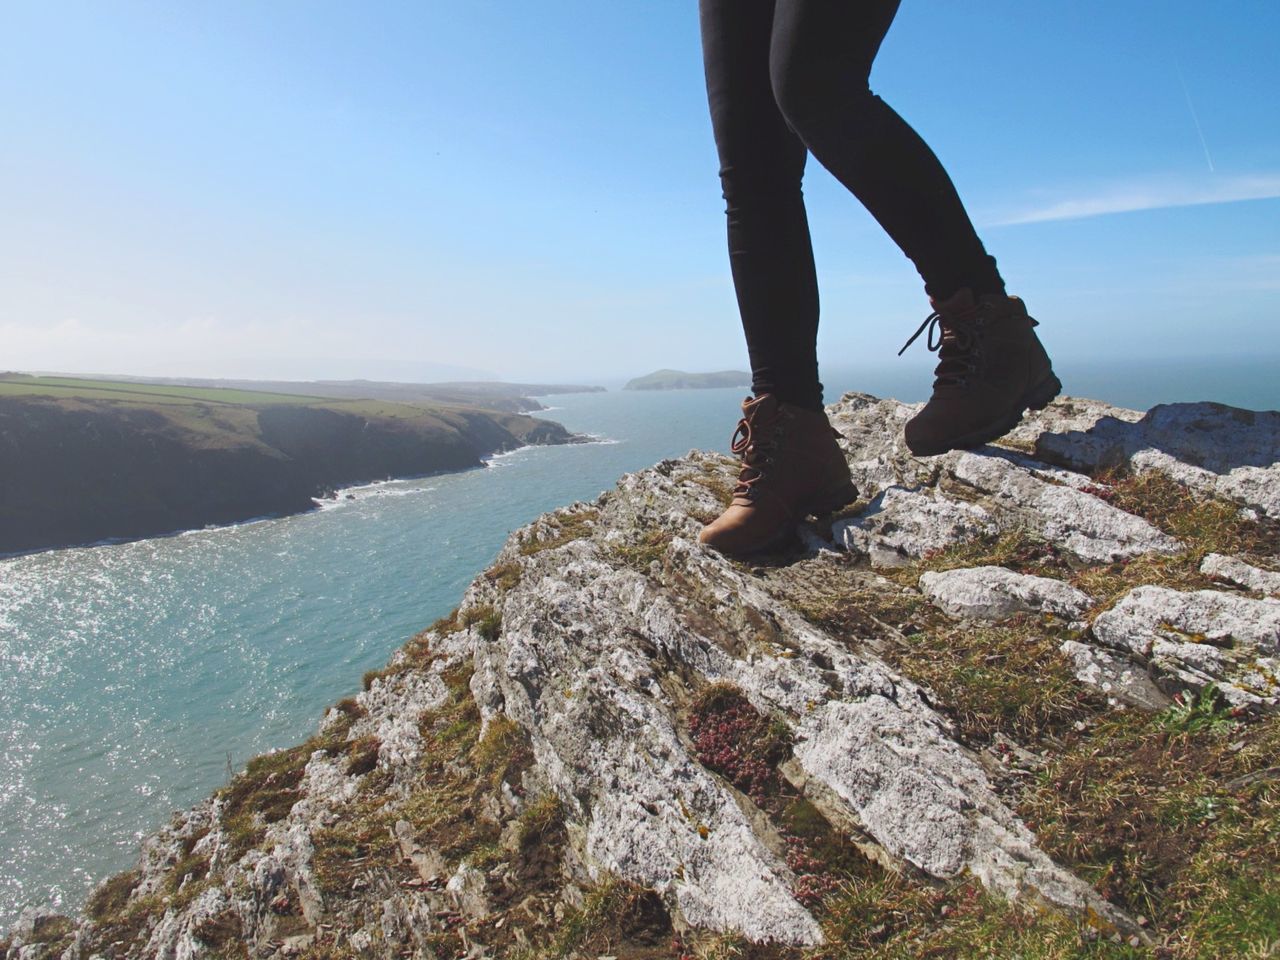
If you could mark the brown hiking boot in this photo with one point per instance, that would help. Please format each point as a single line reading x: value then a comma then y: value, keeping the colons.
x: 791, y: 467
x: 991, y: 368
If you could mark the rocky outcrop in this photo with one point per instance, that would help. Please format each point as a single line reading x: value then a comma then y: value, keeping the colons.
x: 622, y: 731
x: 1240, y: 573
x: 1202, y: 637
x: 994, y: 593
x: 903, y: 524
x: 1221, y: 450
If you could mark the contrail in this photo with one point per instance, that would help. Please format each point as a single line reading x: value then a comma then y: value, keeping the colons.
x: 1196, y: 119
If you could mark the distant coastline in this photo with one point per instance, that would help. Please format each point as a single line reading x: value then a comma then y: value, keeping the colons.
x: 682, y: 380
x: 86, y: 461
x: 489, y: 394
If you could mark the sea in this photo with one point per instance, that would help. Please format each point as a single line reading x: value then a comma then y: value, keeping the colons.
x: 135, y: 678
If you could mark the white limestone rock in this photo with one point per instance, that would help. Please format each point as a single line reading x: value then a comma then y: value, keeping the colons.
x: 596, y: 660
x: 570, y: 670
x: 577, y: 666
x: 901, y: 525
x: 1199, y: 637
x: 1066, y: 415
x: 1242, y: 574
x: 1222, y: 450
x: 993, y: 593
x: 871, y: 431
x: 1088, y: 527
x: 1120, y: 679
x: 393, y: 706
x: 174, y: 938
x: 878, y: 456
x: 928, y: 801
x: 467, y: 889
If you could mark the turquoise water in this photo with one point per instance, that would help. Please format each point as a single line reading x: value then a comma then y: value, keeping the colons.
x: 136, y: 675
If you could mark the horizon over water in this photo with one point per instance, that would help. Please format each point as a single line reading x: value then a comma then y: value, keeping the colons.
x: 136, y: 674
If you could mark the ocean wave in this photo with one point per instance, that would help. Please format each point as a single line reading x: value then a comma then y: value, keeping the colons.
x: 379, y: 489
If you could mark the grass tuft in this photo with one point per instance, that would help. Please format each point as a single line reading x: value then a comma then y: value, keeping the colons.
x: 564, y: 528
x: 1207, y: 524
x: 487, y: 619
x: 505, y: 576
x: 639, y: 554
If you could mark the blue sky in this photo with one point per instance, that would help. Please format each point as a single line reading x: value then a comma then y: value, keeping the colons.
x: 387, y: 190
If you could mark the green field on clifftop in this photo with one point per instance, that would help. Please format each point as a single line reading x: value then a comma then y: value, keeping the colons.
x: 76, y: 388
x: 163, y: 395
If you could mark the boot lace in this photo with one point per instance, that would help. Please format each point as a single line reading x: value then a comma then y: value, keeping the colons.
x: 755, y: 452
x: 958, y: 346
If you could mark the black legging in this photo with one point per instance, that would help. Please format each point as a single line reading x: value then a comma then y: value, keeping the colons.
x: 790, y: 77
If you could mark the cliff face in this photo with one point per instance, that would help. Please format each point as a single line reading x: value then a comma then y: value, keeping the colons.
x: 1016, y: 702
x: 80, y: 470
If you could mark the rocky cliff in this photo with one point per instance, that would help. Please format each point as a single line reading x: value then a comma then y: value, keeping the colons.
x: 1017, y: 701
x: 79, y: 470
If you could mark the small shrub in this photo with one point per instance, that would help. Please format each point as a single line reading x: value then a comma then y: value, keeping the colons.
x: 487, y: 619
x: 381, y: 673
x: 1206, y: 711
x: 110, y: 898
x: 539, y: 819
x: 362, y: 756
x: 503, y: 745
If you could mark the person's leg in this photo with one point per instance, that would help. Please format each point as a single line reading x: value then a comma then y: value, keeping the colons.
x: 761, y: 167
x: 791, y: 463
x: 991, y: 366
x: 821, y: 59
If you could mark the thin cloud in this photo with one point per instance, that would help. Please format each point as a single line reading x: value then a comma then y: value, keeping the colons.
x: 1156, y: 195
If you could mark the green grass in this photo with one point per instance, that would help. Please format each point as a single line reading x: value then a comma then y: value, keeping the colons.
x: 1180, y: 827
x: 153, y: 394
x: 1205, y: 711
x: 73, y: 387
x: 892, y: 918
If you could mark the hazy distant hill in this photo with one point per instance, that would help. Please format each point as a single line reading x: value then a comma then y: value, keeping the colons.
x: 680, y: 380
x: 493, y: 394
x: 88, y: 460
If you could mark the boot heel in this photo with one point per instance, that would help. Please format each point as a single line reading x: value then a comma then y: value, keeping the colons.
x: 832, y: 500
x: 1039, y: 396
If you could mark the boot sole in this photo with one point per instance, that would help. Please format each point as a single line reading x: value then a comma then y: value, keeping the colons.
x: 1036, y: 398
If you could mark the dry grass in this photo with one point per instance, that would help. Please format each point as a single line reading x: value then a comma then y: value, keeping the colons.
x: 505, y: 576
x: 1007, y: 678
x: 1174, y: 817
x: 564, y: 528
x: 486, y: 618
x: 1207, y: 524
x: 644, y: 550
